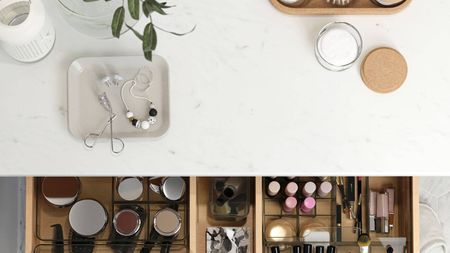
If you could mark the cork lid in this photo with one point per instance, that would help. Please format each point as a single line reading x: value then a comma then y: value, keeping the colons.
x: 384, y: 70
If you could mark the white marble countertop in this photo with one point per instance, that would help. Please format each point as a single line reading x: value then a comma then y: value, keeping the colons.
x: 247, y: 98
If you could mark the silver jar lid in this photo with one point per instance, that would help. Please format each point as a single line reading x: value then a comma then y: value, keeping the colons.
x: 167, y: 222
x: 88, y: 217
x: 130, y: 188
x: 173, y: 188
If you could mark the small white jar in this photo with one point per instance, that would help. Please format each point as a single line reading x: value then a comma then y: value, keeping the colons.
x: 338, y: 46
x: 26, y: 33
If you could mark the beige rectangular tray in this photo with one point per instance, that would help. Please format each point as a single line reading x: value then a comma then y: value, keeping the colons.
x: 321, y: 7
x: 86, y: 115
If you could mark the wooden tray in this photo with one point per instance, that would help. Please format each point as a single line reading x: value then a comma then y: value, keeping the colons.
x: 321, y: 7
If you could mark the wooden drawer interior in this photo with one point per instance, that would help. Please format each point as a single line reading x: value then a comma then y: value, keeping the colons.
x: 321, y: 7
x: 40, y: 216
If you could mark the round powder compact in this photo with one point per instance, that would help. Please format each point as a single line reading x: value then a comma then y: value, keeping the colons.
x: 127, y: 222
x: 61, y: 191
x: 88, y: 217
x: 130, y: 188
x: 384, y: 70
x: 167, y: 222
x: 338, y: 46
x: 173, y: 188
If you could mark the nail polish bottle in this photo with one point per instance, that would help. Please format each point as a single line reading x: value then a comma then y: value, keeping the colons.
x: 290, y: 204
x: 308, y: 205
x: 291, y: 189
x: 324, y: 189
x: 273, y: 188
x: 308, y: 189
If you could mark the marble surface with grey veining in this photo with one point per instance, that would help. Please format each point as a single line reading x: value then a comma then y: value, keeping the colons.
x: 247, y: 98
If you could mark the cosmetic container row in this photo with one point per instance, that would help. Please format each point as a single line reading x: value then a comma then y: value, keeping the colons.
x: 221, y: 214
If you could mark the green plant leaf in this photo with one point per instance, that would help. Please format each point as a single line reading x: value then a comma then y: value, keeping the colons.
x: 146, y: 8
x: 150, y: 38
x: 117, y: 22
x: 148, y: 55
x: 133, y: 8
x: 149, y: 42
x: 153, y: 5
x: 135, y: 32
x: 91, y: 0
x: 175, y: 33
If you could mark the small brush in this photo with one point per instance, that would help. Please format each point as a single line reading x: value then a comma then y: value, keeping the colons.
x: 364, y: 243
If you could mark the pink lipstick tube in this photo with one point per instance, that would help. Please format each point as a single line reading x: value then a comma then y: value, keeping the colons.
x: 289, y: 205
x: 291, y: 189
x: 309, y: 189
x: 308, y: 205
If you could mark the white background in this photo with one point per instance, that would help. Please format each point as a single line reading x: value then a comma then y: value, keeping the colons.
x: 247, y: 98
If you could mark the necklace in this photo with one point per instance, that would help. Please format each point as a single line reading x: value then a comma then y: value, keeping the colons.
x: 152, y: 112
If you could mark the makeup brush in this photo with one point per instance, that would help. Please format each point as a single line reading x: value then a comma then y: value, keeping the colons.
x: 364, y: 243
x: 339, y: 2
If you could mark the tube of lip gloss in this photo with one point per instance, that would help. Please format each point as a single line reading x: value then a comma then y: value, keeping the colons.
x: 382, y: 222
x: 309, y: 189
x: 372, y: 210
x: 308, y: 205
x: 391, y: 196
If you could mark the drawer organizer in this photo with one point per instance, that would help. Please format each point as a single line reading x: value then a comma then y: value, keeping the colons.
x: 104, y: 190
x: 194, y: 209
x: 321, y: 7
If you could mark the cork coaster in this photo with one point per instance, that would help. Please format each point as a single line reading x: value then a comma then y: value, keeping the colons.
x: 384, y: 70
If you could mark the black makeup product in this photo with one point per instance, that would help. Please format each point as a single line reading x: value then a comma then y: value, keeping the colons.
x: 340, y: 183
x: 81, y: 244
x: 389, y: 249
x: 58, y: 239
x: 331, y: 249
x: 307, y: 248
x: 351, y: 185
x: 297, y: 249
x: 126, y: 228
x: 275, y: 249
x: 338, y: 223
x: 320, y: 249
x: 358, y: 222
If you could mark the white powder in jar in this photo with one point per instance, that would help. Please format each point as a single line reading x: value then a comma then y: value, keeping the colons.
x: 338, y: 47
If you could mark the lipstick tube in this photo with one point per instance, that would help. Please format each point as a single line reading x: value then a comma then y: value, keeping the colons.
x: 291, y: 189
x: 382, y: 221
x: 309, y: 189
x: 290, y: 204
x: 391, y: 196
x: 372, y: 210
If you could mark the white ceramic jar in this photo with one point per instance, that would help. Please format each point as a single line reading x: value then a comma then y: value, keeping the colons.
x: 26, y: 33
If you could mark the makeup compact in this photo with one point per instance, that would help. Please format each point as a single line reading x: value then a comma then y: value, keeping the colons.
x: 280, y: 230
x: 88, y: 217
x: 167, y: 222
x: 60, y: 191
x: 127, y: 222
x: 130, y: 188
x: 388, y: 3
x: 171, y: 188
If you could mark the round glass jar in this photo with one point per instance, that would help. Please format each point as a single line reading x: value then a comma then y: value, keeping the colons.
x: 338, y: 46
x: 93, y: 18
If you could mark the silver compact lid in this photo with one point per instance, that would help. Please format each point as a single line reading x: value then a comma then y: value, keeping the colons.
x: 173, y: 188
x: 167, y: 222
x: 88, y: 217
